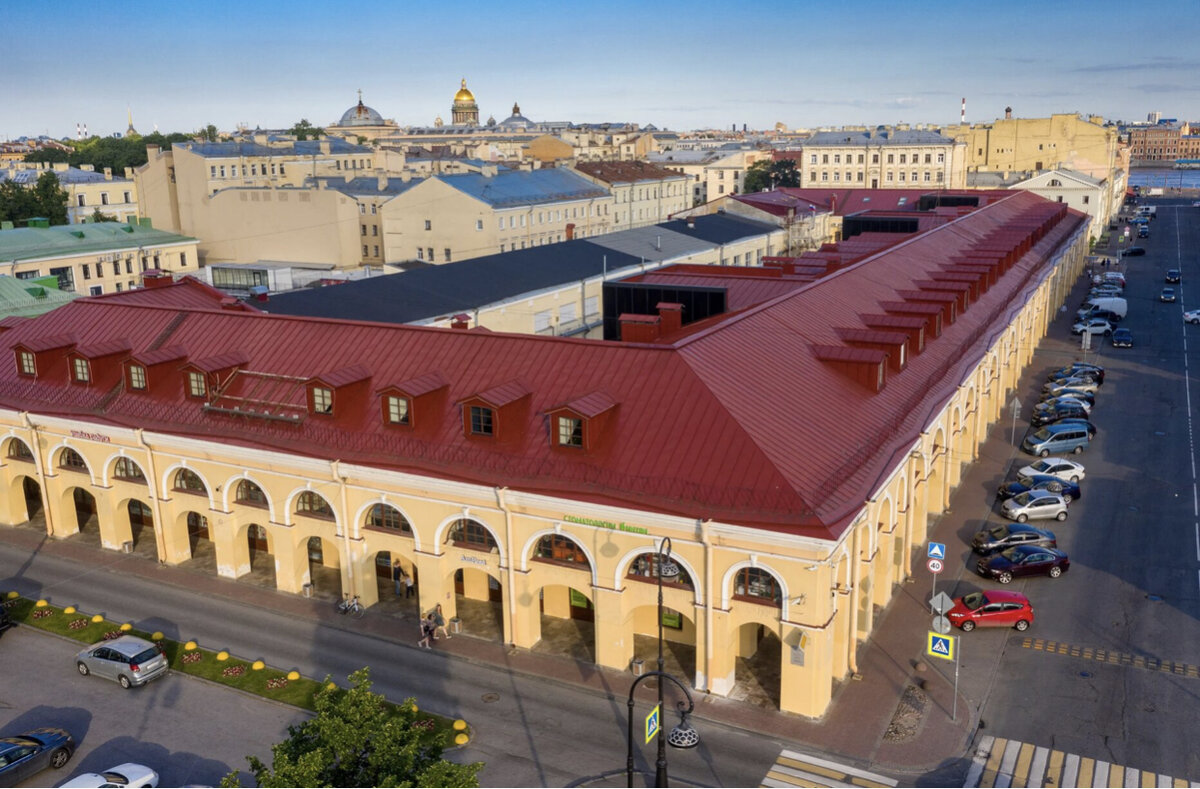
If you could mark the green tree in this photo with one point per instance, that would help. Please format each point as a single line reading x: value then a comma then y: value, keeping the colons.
x: 48, y: 155
x: 51, y: 198
x: 303, y: 130
x: 357, y: 739
x: 17, y: 202
x: 770, y: 174
x: 100, y: 216
x: 210, y: 133
x: 116, y: 153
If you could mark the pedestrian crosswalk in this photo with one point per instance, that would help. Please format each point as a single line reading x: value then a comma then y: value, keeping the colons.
x: 1002, y: 763
x: 798, y: 769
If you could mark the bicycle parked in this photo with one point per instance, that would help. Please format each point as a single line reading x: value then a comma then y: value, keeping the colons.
x: 351, y: 606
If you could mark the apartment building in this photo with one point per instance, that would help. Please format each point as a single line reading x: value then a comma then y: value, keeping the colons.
x: 882, y: 158
x: 642, y: 193
x: 87, y: 190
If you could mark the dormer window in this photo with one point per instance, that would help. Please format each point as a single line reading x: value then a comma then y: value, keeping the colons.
x: 197, y: 386
x: 26, y: 363
x: 397, y: 410
x: 322, y: 400
x: 482, y: 421
x: 81, y: 371
x: 570, y: 432
x: 137, y: 377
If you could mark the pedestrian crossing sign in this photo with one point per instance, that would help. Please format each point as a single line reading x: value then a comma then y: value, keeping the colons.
x: 652, y: 724
x: 937, y: 550
x: 940, y: 646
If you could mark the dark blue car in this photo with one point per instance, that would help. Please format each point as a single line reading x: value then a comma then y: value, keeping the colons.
x: 1068, y: 490
x: 1023, y: 560
x: 26, y: 755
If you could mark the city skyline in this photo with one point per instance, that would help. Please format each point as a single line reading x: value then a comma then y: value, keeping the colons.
x: 700, y: 65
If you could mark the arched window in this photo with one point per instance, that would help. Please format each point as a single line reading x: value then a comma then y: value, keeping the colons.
x: 757, y: 586
x: 382, y: 516
x: 72, y: 460
x: 645, y: 568
x: 250, y: 493
x: 466, y: 533
x: 129, y: 471
x: 1055, y: 182
x: 556, y: 548
x: 188, y: 481
x: 19, y: 450
x: 313, y: 505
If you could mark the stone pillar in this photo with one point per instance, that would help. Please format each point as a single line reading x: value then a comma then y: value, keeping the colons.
x: 436, y: 585
x: 556, y: 601
x: 223, y: 531
x: 723, y: 663
x: 885, y: 567
x: 840, y: 656
x: 291, y: 559
x: 175, y: 536
x: 526, y: 630
x: 866, y: 608
x: 614, y: 631
x: 805, y: 687
x: 113, y: 525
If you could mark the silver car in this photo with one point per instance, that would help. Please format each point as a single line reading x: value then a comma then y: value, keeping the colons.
x: 1035, y: 505
x: 128, y: 660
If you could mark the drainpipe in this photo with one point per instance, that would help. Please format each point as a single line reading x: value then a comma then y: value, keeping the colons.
x: 705, y: 539
x: 335, y: 467
x: 159, y: 527
x: 510, y: 596
x: 855, y: 580
x: 41, y: 471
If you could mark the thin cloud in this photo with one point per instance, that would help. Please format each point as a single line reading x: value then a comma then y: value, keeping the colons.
x: 1153, y: 64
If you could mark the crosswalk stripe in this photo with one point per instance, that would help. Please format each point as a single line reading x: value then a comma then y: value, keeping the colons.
x: 1071, y: 771
x: 793, y: 768
x: 1021, y: 771
x: 876, y: 778
x: 809, y: 767
x: 993, y: 763
x: 975, y: 771
x: 779, y: 783
x: 1054, y: 772
x: 800, y: 778
x: 1037, y: 768
x: 1004, y: 779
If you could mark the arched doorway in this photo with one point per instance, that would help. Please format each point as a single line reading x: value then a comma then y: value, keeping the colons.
x: 34, y: 511
x: 758, y: 666
x: 678, y: 629
x: 324, y: 568
x: 479, y: 603
x: 259, y: 557
x: 141, y: 527
x: 395, y: 594
x: 85, y: 511
x: 567, y: 616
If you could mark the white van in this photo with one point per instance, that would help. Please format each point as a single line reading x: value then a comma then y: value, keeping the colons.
x: 1112, y: 304
x: 1147, y: 210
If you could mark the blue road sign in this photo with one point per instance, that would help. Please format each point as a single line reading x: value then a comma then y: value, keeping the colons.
x: 652, y: 724
x: 937, y: 550
x: 938, y: 646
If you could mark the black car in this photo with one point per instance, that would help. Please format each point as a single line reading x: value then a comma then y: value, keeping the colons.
x: 1132, y: 252
x: 1172, y: 275
x: 1002, y: 536
x: 1023, y: 560
x: 1143, y: 232
x: 1068, y: 490
x: 1079, y: 370
x: 1056, y: 412
x: 27, y: 754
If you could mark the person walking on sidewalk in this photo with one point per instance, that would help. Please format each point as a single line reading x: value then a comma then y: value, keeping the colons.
x: 439, y: 622
x: 427, y: 628
x: 398, y: 574
x: 408, y: 586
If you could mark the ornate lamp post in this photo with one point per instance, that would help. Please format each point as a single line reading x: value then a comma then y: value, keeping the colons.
x: 683, y: 735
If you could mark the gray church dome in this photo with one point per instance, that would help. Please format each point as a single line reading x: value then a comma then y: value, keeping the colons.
x: 361, y: 115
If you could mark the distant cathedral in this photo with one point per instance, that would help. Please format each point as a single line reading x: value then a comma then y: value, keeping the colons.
x: 464, y: 111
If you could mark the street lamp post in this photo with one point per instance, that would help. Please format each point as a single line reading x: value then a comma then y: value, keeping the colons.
x: 683, y: 735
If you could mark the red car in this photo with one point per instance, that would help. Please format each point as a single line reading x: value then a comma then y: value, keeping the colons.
x: 992, y: 608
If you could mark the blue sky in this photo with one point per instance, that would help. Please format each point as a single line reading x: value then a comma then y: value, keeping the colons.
x: 678, y: 65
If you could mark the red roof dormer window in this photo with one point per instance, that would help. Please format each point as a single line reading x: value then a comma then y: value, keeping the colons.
x: 339, y: 393
x: 482, y: 420
x: 197, y: 386
x: 81, y: 371
x: 580, y: 423
x: 26, y: 364
x: 137, y: 377
x: 495, y: 413
x: 413, y: 404
x: 396, y: 409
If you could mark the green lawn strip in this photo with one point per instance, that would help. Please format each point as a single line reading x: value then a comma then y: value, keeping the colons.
x: 298, y: 692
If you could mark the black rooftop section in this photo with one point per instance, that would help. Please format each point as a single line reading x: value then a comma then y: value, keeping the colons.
x: 718, y: 228
x: 436, y: 291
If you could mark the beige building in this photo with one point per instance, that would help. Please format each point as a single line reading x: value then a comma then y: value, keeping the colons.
x: 95, y: 258
x: 87, y: 190
x: 1065, y: 141
x: 554, y: 470
x: 642, y: 194
x: 882, y: 158
x: 1098, y: 199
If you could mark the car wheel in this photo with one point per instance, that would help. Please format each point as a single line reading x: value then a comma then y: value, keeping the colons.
x: 1067, y: 497
x: 124, y: 682
x: 1045, y: 453
x: 1055, y: 571
x: 1077, y: 450
x: 1022, y: 518
x: 1062, y: 516
x: 968, y: 626
x: 1021, y: 625
x: 1004, y: 578
x: 83, y: 669
x: 59, y: 758
x: 1075, y: 479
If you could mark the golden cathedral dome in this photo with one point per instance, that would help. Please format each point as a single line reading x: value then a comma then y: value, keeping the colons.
x: 464, y: 96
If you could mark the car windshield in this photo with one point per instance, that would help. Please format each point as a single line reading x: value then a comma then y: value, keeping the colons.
x: 1042, y: 434
x: 144, y: 655
x: 998, y: 532
x: 974, y: 600
x: 1022, y: 499
x: 115, y: 778
x: 1012, y: 554
x: 1042, y: 466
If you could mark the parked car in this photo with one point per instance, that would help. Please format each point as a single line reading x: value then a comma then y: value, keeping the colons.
x: 128, y: 660
x: 1048, y: 414
x: 1078, y: 370
x: 123, y: 775
x: 1078, y: 422
x: 1132, y: 252
x: 1055, y: 388
x: 1054, y: 467
x: 1070, y: 491
x: 1092, y: 326
x: 1063, y: 436
x: 1167, y: 295
x: 1073, y: 396
x: 1143, y: 231
x: 995, y: 608
x: 1023, y: 560
x: 1191, y: 316
x: 1172, y: 275
x: 1034, y: 505
x: 26, y: 755
x: 1122, y: 338
x: 1001, y: 537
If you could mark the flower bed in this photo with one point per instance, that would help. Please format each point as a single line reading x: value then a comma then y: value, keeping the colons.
x: 42, y: 613
x: 190, y: 657
x: 277, y: 682
x: 233, y: 671
x: 111, y: 634
x: 78, y: 624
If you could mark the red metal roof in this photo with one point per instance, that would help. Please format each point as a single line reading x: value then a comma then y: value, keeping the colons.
x: 185, y: 292
x: 737, y: 421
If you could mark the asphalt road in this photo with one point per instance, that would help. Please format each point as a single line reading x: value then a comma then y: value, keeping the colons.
x: 535, y: 733
x: 189, y: 731
x: 1133, y: 539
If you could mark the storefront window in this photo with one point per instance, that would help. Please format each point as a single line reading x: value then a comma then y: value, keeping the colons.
x: 645, y: 568
x: 758, y: 586
x: 382, y: 516
x: 466, y: 533
x: 559, y: 549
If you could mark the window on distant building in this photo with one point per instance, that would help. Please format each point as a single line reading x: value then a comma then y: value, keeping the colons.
x: 837, y: 176
x: 127, y: 197
x: 837, y: 158
x: 860, y: 158
x: 812, y: 176
x: 313, y: 505
x: 212, y: 171
x: 914, y: 176
x: 374, y: 230
x: 901, y: 176
x: 812, y: 159
x: 429, y: 224
x: 479, y: 224
x: 927, y: 176
x: 824, y: 158
x: 874, y: 158
x: 446, y: 252
x: 429, y: 253
x: 375, y: 250
x: 482, y: 421
x: 364, y: 250
x: 364, y: 229
x: 222, y: 171
x: 96, y: 290
x: 80, y: 200
x: 373, y: 207
x: 233, y: 171
x: 128, y: 470
x: 888, y: 177
x: 928, y: 158
x: 891, y: 158
x: 824, y: 176
x: 87, y: 271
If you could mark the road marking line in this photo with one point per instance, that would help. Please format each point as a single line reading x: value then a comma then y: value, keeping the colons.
x: 846, y: 769
x: 1149, y: 663
x: 1011, y: 751
x: 801, y: 778
x: 1037, y: 769
x: 981, y: 753
x: 1021, y: 771
x: 993, y: 762
x: 813, y: 768
x: 1071, y: 771
x: 776, y: 780
x: 1054, y: 771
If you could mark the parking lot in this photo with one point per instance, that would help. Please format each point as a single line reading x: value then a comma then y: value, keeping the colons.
x: 1108, y: 669
x: 191, y: 732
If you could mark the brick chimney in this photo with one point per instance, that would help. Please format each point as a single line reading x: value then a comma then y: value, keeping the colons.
x: 671, y: 315
x: 640, y: 328
x: 154, y: 278
x: 460, y: 321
